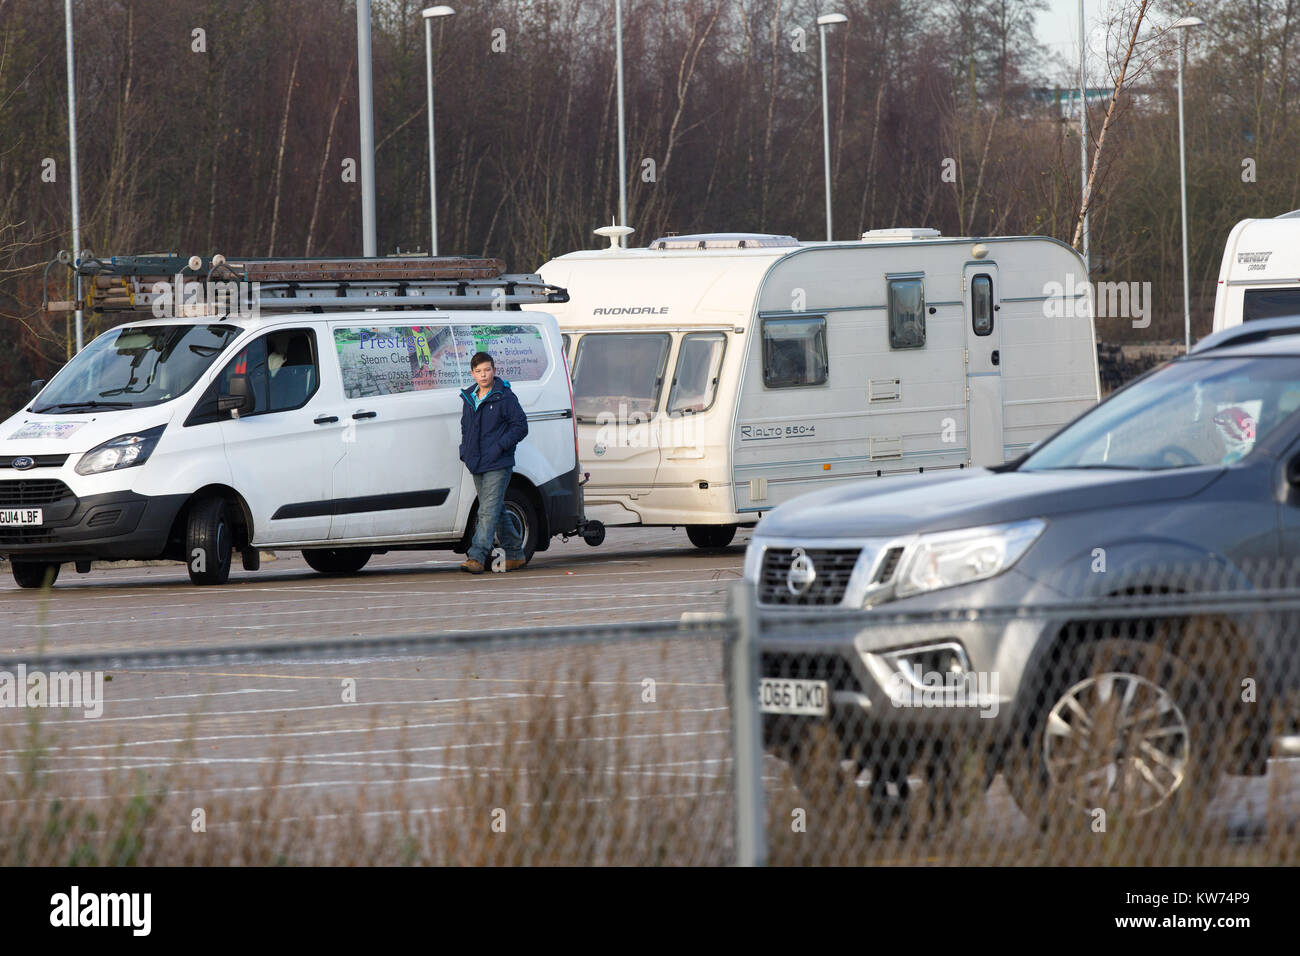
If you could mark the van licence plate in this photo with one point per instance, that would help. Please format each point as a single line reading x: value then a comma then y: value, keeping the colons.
x: 780, y: 695
x: 10, y: 516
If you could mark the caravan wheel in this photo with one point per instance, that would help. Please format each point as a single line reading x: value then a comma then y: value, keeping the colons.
x: 711, y: 535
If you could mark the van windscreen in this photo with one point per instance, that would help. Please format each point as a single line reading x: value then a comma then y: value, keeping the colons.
x: 619, y: 375
x: 132, y: 366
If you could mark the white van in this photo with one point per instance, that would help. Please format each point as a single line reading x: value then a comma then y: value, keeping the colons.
x: 716, y: 376
x: 331, y: 433
x: 1260, y: 274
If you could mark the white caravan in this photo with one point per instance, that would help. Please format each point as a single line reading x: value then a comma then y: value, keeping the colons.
x: 1260, y: 274
x: 717, y: 376
x: 314, y: 422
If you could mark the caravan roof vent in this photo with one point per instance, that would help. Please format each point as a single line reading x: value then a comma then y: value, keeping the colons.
x: 897, y: 235
x: 724, y: 240
x: 1293, y: 214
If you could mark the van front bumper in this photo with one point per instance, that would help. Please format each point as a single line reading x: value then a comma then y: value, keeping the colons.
x: 116, y: 526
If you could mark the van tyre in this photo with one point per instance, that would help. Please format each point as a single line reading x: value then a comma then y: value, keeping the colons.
x: 209, y: 542
x: 337, y: 560
x: 519, y: 505
x: 711, y: 535
x: 35, y: 574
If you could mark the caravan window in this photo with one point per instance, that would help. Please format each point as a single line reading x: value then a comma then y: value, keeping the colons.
x: 907, y: 313
x: 794, y: 352
x: 981, y: 304
x: 619, y: 374
x: 695, y: 383
x: 1270, y: 304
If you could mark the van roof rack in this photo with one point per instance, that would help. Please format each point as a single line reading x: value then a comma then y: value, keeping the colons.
x: 136, y: 283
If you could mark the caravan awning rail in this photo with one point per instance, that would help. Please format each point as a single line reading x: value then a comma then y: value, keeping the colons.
x: 215, y: 286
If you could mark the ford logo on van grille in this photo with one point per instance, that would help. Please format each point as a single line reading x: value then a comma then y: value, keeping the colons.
x: 802, y: 573
x: 22, y: 463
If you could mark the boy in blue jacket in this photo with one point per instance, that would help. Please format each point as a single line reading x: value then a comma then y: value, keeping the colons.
x: 492, y: 423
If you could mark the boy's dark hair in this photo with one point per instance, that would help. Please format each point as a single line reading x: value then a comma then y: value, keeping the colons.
x: 481, y: 357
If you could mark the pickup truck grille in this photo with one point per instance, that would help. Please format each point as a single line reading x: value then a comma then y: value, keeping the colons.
x: 32, y: 492
x: 833, y: 567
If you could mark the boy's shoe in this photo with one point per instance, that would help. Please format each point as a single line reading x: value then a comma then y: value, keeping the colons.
x: 516, y: 565
x: 472, y: 566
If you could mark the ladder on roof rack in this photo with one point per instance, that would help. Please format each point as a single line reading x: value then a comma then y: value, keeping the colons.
x: 219, y: 286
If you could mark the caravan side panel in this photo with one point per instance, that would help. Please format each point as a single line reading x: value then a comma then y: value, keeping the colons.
x: 1049, y: 362
x: 879, y: 410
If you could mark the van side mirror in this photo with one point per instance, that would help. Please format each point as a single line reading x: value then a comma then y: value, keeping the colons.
x: 37, y: 385
x: 239, y: 399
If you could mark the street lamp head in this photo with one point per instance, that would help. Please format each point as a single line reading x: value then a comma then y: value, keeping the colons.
x: 442, y: 10
x: 829, y: 19
x: 1187, y: 22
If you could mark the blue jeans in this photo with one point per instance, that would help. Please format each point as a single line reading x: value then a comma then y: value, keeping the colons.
x: 491, y: 488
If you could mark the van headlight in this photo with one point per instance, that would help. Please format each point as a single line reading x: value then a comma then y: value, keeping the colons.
x: 124, y: 451
x: 949, y: 558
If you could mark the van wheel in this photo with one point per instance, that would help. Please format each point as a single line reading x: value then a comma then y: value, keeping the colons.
x: 337, y: 560
x: 208, y: 542
x: 710, y: 535
x: 35, y: 574
x: 519, y: 509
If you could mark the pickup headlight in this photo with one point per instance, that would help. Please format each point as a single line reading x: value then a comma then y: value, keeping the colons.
x: 949, y: 558
x: 124, y: 451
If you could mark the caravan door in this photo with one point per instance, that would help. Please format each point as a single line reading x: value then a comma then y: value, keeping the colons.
x: 983, y: 364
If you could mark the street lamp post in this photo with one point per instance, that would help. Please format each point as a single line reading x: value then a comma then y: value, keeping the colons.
x: 1083, y: 136
x: 622, y: 126
x: 429, y: 13
x: 823, y: 22
x: 366, y: 109
x: 72, y: 160
x: 1183, y: 26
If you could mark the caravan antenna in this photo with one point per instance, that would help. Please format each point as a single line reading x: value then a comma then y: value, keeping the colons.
x: 615, y: 234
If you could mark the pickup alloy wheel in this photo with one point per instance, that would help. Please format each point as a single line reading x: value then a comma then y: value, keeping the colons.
x: 1127, y: 728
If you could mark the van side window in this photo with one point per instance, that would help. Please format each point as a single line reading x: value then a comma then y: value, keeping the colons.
x: 699, y: 363
x: 907, y: 313
x: 981, y: 304
x: 293, y: 373
x: 282, y: 370
x: 794, y: 352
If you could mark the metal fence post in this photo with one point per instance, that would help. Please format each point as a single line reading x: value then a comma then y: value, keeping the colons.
x: 746, y: 731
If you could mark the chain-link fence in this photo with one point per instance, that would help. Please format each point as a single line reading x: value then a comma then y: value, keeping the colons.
x: 1138, y: 729
x: 553, y: 746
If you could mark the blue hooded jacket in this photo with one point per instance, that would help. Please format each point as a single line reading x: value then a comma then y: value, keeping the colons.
x: 489, y: 434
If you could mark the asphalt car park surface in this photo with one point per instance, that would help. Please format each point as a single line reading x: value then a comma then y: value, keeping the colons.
x: 636, y: 575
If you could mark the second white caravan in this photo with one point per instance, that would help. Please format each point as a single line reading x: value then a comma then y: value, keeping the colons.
x: 716, y: 376
x: 1260, y: 274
